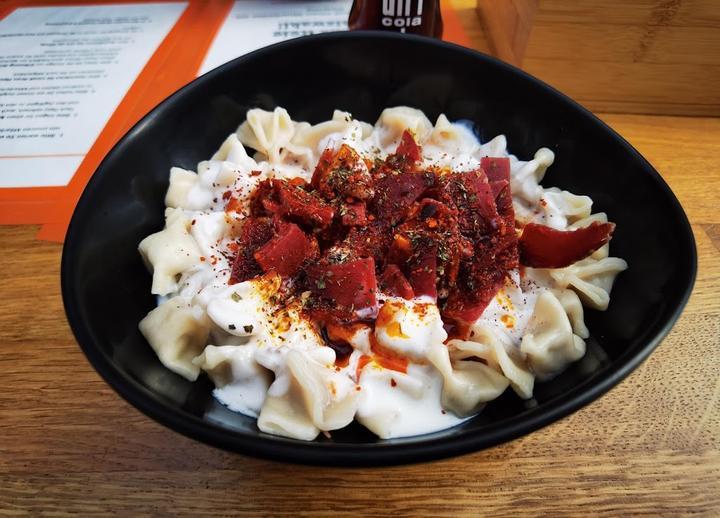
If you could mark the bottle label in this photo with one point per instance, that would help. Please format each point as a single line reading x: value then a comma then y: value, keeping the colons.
x: 402, y: 14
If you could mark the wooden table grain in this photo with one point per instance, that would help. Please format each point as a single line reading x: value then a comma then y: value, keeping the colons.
x: 69, y: 444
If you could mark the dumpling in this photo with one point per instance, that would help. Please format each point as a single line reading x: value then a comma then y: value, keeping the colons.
x: 562, y: 208
x: 170, y: 252
x: 496, y: 147
x: 486, y: 346
x: 287, y: 417
x: 313, y: 136
x: 591, y: 278
x: 525, y: 177
x: 239, y: 310
x: 384, y: 413
x: 181, y: 182
x: 207, y: 230
x: 240, y: 382
x: 409, y: 328
x: 574, y: 309
x: 467, y: 385
x: 191, y: 191
x: 455, y: 138
x: 314, y: 397
x: 394, y: 121
x: 397, y: 404
x: 267, y: 132
x: 549, y: 343
x: 234, y: 152
x: 177, y: 332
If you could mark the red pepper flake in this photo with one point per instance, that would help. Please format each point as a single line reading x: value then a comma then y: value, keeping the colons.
x: 233, y: 205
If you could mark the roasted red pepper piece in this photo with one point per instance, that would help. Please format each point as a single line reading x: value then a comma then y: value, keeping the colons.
x: 496, y: 168
x: 287, y: 251
x: 473, y: 197
x: 271, y: 206
x: 431, y: 224
x: 545, y: 247
x: 342, y: 174
x: 262, y: 194
x: 351, y: 285
x: 497, y: 171
x: 395, y: 192
x: 407, y: 154
x: 322, y: 168
x: 423, y: 273
x: 400, y: 250
x: 393, y: 282
x: 466, y: 303
x: 371, y: 240
x: 301, y: 205
x: 353, y: 214
x: 497, y: 188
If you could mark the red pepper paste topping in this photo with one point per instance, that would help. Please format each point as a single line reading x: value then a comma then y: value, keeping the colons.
x: 412, y: 230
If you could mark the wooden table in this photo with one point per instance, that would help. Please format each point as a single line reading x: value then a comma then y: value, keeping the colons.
x: 68, y: 443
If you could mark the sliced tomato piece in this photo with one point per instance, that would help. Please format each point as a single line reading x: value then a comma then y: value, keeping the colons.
x: 546, y: 247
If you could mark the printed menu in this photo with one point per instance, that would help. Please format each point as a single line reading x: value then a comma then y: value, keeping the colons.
x: 62, y: 74
x: 253, y: 24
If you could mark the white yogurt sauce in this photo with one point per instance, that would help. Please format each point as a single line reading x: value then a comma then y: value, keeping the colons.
x: 393, y: 404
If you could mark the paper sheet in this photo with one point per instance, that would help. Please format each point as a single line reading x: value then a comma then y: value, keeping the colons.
x: 63, y: 71
x: 253, y: 24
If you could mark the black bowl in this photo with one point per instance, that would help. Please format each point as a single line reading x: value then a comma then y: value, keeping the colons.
x: 106, y: 288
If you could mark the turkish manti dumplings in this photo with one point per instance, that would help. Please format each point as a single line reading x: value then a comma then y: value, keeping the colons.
x: 269, y: 361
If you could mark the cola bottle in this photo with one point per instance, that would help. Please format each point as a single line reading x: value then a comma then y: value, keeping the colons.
x: 407, y: 16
